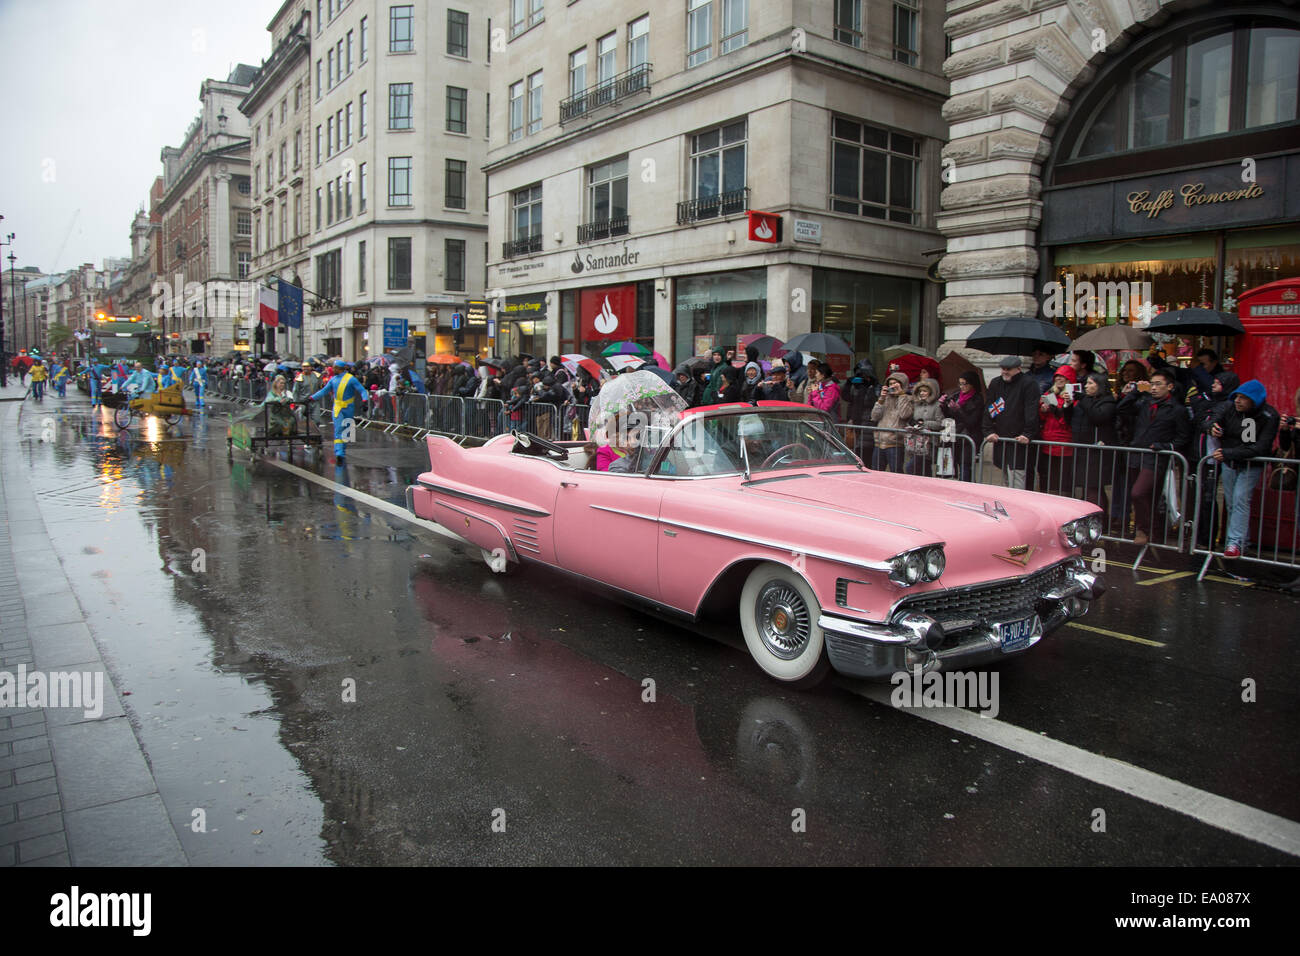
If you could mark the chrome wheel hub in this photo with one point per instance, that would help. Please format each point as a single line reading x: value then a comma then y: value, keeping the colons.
x: 784, y: 623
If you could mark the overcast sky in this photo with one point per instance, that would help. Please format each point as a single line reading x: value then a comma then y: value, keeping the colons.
x: 90, y: 92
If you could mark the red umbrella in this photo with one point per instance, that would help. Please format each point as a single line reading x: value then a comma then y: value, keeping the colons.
x: 766, y: 344
x: 576, y: 360
x: 911, y: 365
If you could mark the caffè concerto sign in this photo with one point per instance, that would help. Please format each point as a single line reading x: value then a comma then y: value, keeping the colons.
x: 1142, y: 202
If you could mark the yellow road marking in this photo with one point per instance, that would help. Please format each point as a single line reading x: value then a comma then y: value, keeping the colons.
x: 1168, y: 577
x: 1223, y: 580
x: 1122, y: 637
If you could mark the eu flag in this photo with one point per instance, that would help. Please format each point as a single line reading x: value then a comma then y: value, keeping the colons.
x: 290, y: 305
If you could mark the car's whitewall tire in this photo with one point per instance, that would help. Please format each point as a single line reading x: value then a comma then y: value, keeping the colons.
x: 778, y: 617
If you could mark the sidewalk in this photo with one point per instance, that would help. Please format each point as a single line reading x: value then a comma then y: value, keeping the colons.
x: 73, y: 790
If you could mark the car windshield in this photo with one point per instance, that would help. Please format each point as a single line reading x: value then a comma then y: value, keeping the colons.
x: 759, y: 441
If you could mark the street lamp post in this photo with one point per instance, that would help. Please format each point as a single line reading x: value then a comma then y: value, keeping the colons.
x: 4, y: 362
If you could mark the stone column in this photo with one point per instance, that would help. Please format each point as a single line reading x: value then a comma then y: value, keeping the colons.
x: 789, y: 300
x: 1015, y: 66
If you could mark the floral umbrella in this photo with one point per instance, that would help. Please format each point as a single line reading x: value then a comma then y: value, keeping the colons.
x: 637, y: 398
x: 626, y: 348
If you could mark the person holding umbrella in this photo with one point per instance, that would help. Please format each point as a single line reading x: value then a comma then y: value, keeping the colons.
x: 1011, y: 420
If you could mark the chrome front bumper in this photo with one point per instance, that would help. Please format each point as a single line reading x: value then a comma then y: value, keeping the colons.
x: 911, y: 640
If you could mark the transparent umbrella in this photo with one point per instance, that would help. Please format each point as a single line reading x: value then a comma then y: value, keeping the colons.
x: 635, y: 400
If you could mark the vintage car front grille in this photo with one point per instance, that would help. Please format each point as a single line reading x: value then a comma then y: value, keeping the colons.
x: 1003, y: 601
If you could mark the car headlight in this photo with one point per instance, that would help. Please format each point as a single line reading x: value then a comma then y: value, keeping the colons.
x: 1094, y: 527
x: 1070, y: 531
x: 935, y: 562
x: 913, y: 567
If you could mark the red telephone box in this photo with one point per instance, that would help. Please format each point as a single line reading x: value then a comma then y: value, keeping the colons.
x: 1270, y: 348
x: 1270, y: 351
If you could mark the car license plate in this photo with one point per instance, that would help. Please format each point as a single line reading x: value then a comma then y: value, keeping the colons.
x: 1016, y: 635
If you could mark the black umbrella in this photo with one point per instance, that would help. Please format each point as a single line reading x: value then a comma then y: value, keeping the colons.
x: 823, y: 343
x: 405, y: 356
x: 655, y: 370
x: 1196, y: 322
x: 694, y: 362
x: 1018, y: 337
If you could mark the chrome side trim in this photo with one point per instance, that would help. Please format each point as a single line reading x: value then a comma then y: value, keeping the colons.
x: 780, y: 545
x: 510, y: 546
x: 620, y: 511
x: 482, y: 500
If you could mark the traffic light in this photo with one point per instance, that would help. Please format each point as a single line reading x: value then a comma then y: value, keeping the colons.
x: 259, y: 336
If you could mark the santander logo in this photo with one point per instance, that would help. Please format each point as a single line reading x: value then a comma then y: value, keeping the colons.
x: 763, y: 230
x: 606, y: 322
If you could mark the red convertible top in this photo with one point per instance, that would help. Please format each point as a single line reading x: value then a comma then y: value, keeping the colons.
x: 763, y: 404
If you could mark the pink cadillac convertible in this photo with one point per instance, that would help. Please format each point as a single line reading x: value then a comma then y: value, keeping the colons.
x: 761, y: 511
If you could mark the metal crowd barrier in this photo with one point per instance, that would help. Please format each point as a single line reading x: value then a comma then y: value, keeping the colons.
x: 544, y: 420
x: 446, y: 414
x: 1107, y: 476
x: 1267, y: 524
x: 931, y: 454
x: 485, y: 417
x: 412, y: 410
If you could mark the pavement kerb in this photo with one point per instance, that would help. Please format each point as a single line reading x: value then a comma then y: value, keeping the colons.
x: 78, y: 793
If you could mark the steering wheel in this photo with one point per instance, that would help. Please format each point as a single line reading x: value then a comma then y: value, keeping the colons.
x: 773, y: 458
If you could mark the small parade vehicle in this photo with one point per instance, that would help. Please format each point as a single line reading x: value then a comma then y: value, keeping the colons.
x: 272, y: 423
x: 759, y: 512
x: 166, y: 403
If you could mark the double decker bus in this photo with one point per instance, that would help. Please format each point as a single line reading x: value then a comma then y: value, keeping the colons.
x: 121, y: 338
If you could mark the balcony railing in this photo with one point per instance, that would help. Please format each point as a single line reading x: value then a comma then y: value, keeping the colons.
x: 521, y: 247
x: 602, y: 229
x: 606, y: 93
x: 711, y: 207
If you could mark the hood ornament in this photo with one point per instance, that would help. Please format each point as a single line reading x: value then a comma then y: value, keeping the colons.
x: 996, y: 511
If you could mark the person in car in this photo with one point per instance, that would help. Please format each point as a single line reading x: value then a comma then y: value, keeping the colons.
x: 622, y: 454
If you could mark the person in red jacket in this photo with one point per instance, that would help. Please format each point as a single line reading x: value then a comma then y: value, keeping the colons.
x: 1055, y: 410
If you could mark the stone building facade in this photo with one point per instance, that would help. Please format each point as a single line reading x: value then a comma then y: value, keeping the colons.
x: 628, y: 149
x: 1069, y: 119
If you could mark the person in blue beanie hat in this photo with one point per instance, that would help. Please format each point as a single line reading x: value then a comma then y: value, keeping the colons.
x: 1246, y: 428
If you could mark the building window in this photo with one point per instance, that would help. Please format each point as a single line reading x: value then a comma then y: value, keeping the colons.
x: 347, y: 114
x: 578, y: 72
x: 297, y: 149
x: 606, y: 201
x: 361, y: 266
x: 606, y: 59
x: 848, y: 22
x: 365, y: 38
x: 401, y: 29
x: 349, y: 52
x: 318, y: 209
x: 329, y: 203
x: 454, y: 265
x: 329, y: 67
x: 362, y: 192
x: 526, y: 221
x: 329, y: 137
x: 516, y: 110
x: 524, y: 14
x: 399, y: 262
x: 535, y: 102
x: 699, y: 32
x: 457, y: 106
x: 399, y: 105
x: 243, y: 262
x: 874, y: 171
x: 241, y: 183
x: 297, y: 97
x: 284, y: 110
x: 735, y: 25
x: 243, y: 224
x: 457, y: 33
x: 905, y: 50
x: 270, y: 230
x: 319, y: 85
x: 284, y: 160
x: 328, y: 274
x: 718, y: 161
x: 297, y: 214
x: 455, y: 184
x: 638, y: 42
x: 284, y: 221
x: 361, y: 116
x: 318, y: 145
x: 399, y: 180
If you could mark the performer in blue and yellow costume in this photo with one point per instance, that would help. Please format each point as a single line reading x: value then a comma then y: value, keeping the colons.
x: 59, y: 380
x: 199, y: 381
x: 348, y: 396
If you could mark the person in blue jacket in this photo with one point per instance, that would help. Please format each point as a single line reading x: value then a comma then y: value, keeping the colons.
x: 199, y: 381
x: 347, y: 395
x: 96, y: 374
x: 166, y: 377
x: 141, y: 382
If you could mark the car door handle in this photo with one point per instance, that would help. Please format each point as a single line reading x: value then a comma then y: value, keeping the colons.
x: 671, y: 534
x: 568, y: 484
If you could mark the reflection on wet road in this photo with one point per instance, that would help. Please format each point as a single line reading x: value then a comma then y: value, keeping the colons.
x: 332, y: 684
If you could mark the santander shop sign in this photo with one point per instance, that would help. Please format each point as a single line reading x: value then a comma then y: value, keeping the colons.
x: 608, y: 312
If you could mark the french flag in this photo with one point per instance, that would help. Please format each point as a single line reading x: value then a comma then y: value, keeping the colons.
x: 268, y: 306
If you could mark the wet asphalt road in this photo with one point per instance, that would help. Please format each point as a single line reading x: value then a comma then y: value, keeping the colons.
x: 482, y: 699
